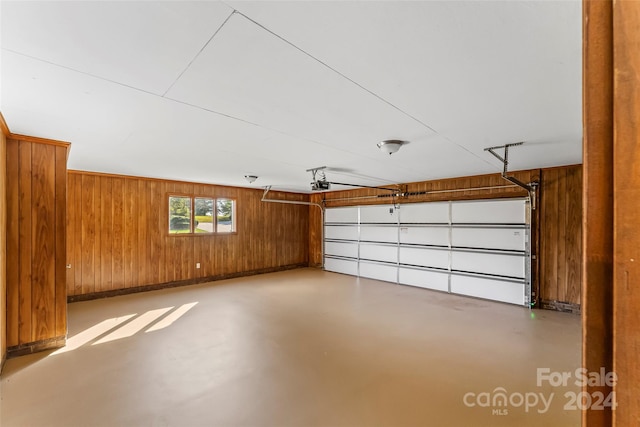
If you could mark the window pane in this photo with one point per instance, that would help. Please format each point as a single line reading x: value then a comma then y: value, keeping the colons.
x: 179, y: 214
x: 226, y: 216
x: 203, y: 210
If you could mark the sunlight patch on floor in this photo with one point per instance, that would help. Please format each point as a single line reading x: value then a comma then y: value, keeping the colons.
x: 134, y: 326
x: 124, y: 327
x: 172, y: 317
x: 92, y: 333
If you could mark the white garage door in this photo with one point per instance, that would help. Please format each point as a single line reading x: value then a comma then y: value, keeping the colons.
x: 476, y: 248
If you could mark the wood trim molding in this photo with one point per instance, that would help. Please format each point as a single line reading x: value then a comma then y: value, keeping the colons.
x: 3, y: 126
x: 597, y: 189
x: 136, y: 289
x: 175, y: 181
x: 36, y: 346
x: 38, y: 140
x: 626, y: 191
x: 554, y: 168
x: 564, y: 307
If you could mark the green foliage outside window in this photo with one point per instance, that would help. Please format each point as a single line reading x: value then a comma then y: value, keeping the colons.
x: 226, y: 223
x: 179, y: 215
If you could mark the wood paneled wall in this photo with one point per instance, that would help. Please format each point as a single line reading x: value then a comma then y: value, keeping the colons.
x: 118, y: 239
x: 557, y: 270
x: 36, y: 210
x: 560, y: 255
x: 4, y: 131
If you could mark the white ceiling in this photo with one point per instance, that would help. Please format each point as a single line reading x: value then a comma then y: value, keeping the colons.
x: 210, y: 91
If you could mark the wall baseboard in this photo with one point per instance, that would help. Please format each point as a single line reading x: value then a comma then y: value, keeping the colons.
x: 36, y: 346
x: 565, y: 307
x: 136, y: 289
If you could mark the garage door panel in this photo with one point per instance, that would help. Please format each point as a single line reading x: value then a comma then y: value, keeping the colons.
x: 379, y: 234
x: 489, y: 212
x: 379, y: 252
x: 341, y: 249
x: 386, y: 214
x: 424, y: 279
x: 488, y: 263
x: 424, y: 257
x: 437, y: 212
x: 341, y: 232
x: 436, y: 236
x: 341, y: 266
x: 492, y: 289
x: 386, y: 273
x: 343, y: 215
x: 490, y: 238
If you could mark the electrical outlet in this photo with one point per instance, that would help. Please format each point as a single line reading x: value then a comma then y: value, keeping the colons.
x: 197, y: 265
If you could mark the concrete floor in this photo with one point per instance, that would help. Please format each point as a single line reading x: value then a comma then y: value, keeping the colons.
x: 296, y: 348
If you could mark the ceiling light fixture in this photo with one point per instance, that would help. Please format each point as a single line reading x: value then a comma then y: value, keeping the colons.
x: 391, y: 146
x: 250, y: 178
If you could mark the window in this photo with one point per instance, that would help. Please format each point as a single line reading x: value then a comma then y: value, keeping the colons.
x: 179, y: 215
x: 204, y: 220
x: 225, y: 219
x: 201, y: 215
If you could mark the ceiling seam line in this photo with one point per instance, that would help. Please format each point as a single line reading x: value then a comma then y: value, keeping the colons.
x: 135, y: 88
x: 370, y: 92
x: 233, y: 12
x: 175, y: 100
x: 166, y: 98
x: 83, y: 72
x: 379, y: 97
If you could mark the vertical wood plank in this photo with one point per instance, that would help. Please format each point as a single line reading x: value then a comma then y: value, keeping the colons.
x: 550, y: 232
x: 189, y: 253
x: 77, y: 234
x: 71, y: 220
x: 626, y: 183
x: 162, y: 227
x: 155, y: 205
x: 130, y: 233
x: 13, y: 244
x: 561, y: 239
x: 573, y: 278
x: 25, y: 230
x: 3, y: 243
x: 198, y: 252
x: 134, y: 208
x: 143, y: 212
x: 43, y: 245
x: 88, y: 245
x: 96, y: 223
x: 597, y: 220
x: 118, y: 259
x: 170, y: 253
x: 61, y: 258
x: 106, y: 233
